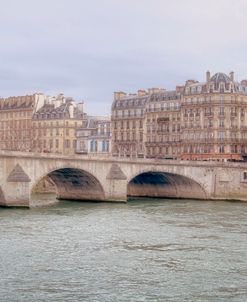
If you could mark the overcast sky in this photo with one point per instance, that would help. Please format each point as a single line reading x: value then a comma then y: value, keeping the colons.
x: 88, y: 49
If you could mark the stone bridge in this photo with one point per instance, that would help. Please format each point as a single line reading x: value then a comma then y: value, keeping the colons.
x: 114, y: 179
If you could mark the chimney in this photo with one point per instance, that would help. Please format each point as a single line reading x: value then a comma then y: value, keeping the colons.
x: 231, y: 75
x: 80, y: 106
x: 57, y: 103
x: 119, y: 95
x: 141, y: 92
x: 155, y: 90
x: 71, y: 111
x: 190, y: 82
x: 179, y: 88
x: 39, y: 100
x: 208, y: 76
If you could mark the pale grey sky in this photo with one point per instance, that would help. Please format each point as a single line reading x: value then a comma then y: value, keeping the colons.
x: 89, y: 49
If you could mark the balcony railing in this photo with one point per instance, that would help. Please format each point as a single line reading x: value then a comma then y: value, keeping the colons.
x: 223, y: 141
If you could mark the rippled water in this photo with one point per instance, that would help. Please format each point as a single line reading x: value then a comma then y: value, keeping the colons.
x: 146, y: 250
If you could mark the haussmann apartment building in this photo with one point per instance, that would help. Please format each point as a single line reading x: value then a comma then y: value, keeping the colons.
x: 196, y: 121
x: 55, y: 125
x: 40, y: 123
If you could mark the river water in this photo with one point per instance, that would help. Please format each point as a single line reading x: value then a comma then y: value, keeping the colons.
x: 146, y: 250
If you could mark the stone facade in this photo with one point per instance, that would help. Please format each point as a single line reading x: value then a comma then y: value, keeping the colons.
x: 16, y: 121
x: 128, y: 114
x: 214, y: 118
x: 40, y: 123
x: 197, y: 121
x: 94, y: 136
x: 55, y: 124
x: 163, y: 124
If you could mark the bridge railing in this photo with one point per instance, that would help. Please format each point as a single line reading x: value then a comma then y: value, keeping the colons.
x: 109, y: 157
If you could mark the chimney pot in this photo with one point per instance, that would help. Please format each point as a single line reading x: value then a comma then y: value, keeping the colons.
x: 208, y: 76
x: 231, y: 75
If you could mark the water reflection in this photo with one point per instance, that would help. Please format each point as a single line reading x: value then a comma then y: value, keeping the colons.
x: 43, y: 199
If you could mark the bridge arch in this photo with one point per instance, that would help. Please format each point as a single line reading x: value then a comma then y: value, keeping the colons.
x: 158, y: 183
x: 73, y: 183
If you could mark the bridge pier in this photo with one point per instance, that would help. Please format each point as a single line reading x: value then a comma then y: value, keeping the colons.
x: 16, y: 195
x: 116, y: 190
x: 15, y: 190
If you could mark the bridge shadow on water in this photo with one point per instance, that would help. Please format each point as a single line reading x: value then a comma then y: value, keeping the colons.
x: 73, y: 184
x: 50, y: 200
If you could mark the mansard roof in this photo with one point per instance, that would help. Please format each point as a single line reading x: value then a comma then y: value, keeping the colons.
x: 50, y: 108
x: 165, y: 96
x: 56, y: 111
x: 131, y: 101
x: 220, y: 77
